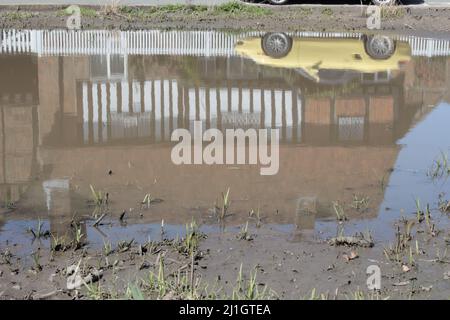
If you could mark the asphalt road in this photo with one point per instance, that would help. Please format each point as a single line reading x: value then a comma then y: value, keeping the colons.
x: 121, y: 2
x: 203, y: 2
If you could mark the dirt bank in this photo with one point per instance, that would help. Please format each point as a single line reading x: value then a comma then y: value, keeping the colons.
x: 418, y: 20
x: 223, y: 265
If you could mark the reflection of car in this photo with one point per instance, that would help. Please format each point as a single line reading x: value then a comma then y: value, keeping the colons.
x: 311, y: 56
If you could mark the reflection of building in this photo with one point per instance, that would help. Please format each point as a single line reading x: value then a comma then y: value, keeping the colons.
x: 58, y: 201
x: 149, y: 107
x: 18, y: 106
x: 88, y: 115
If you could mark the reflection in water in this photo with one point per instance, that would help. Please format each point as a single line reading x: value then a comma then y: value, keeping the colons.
x: 75, y: 106
x: 329, y: 60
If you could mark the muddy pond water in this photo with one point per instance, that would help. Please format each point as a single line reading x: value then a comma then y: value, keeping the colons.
x: 87, y: 117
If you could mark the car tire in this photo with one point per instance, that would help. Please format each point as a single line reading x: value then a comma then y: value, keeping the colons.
x: 379, y: 47
x: 278, y: 2
x: 384, y: 2
x: 276, y: 44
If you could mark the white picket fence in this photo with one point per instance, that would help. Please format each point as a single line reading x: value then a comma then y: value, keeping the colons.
x: 152, y: 42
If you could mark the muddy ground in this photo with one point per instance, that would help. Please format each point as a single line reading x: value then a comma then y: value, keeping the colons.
x: 417, y: 20
x: 290, y: 266
x: 295, y: 266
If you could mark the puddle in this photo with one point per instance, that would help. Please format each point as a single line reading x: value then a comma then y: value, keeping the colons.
x: 361, y: 120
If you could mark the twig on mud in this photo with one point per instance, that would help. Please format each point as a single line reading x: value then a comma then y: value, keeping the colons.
x: 122, y: 215
x: 183, y: 267
x: 46, y: 295
x: 192, y: 272
x: 99, y: 220
x: 434, y: 260
x: 400, y: 284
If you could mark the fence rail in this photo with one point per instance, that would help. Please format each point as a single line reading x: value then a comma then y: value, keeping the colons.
x: 151, y: 42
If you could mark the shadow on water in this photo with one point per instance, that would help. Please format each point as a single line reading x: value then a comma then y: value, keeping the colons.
x: 98, y: 108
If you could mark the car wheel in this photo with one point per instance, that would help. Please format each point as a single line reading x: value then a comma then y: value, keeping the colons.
x: 278, y: 1
x: 379, y: 47
x: 276, y: 45
x: 384, y: 2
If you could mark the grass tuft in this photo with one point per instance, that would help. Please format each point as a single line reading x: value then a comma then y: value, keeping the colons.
x: 239, y: 8
x: 19, y: 15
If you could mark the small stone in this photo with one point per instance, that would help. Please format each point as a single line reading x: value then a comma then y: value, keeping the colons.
x: 51, y: 278
x: 427, y: 289
x: 74, y: 282
x: 71, y: 269
x: 351, y: 256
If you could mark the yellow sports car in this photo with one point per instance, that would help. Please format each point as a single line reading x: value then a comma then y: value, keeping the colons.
x: 369, y: 54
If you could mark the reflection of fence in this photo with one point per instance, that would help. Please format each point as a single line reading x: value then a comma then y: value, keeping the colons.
x: 428, y: 47
x: 154, y: 108
x: 17, y: 41
x: 148, y: 42
x: 197, y: 43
